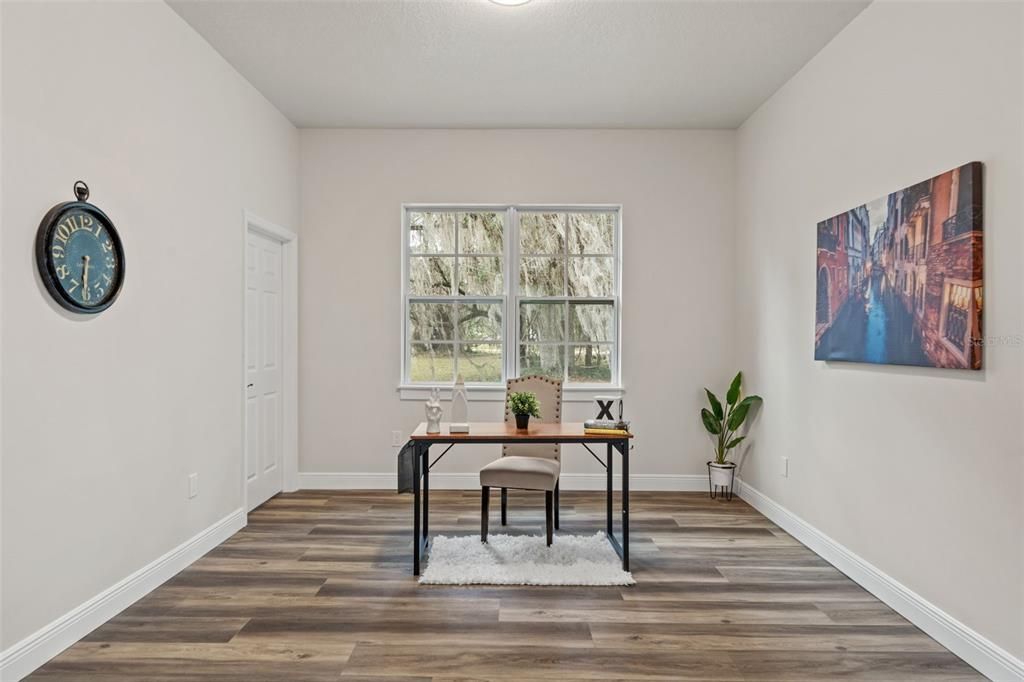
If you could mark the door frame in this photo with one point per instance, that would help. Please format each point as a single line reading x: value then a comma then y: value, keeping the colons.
x: 289, y: 349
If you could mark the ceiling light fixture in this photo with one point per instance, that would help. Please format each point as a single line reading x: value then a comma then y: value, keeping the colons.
x: 510, y: 3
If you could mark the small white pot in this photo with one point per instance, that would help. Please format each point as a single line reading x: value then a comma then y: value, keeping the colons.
x: 721, y: 474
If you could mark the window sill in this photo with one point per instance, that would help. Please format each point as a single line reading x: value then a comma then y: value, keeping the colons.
x: 496, y: 394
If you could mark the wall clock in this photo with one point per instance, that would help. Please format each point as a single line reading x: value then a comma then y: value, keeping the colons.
x: 79, y: 255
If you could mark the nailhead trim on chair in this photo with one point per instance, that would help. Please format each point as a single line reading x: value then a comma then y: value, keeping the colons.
x: 558, y: 405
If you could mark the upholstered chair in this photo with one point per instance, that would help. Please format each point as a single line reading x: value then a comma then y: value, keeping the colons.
x: 524, y: 466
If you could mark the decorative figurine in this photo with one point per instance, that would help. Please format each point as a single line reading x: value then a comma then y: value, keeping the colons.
x: 605, y: 405
x: 433, y: 409
x: 460, y: 408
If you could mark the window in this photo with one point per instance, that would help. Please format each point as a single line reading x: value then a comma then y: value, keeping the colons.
x: 455, y: 296
x: 493, y: 292
x: 961, y: 310
x: 566, y: 302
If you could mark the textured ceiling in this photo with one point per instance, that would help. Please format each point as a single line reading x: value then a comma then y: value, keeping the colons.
x: 550, y: 63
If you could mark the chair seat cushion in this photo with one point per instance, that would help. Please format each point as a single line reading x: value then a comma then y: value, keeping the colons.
x: 526, y: 473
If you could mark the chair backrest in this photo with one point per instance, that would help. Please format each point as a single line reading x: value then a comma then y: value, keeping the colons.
x: 549, y: 393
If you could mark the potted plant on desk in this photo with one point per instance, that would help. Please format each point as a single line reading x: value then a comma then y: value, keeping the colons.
x: 723, y: 423
x: 523, y: 405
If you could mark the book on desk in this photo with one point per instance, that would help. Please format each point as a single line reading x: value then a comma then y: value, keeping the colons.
x: 606, y: 427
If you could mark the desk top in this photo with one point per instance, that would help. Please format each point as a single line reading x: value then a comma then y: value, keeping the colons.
x: 501, y: 432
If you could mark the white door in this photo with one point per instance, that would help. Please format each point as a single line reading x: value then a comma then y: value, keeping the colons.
x: 263, y: 336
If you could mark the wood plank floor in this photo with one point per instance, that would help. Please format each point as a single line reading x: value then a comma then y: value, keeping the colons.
x: 318, y: 587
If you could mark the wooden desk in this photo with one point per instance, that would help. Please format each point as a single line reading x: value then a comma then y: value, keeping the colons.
x: 500, y: 432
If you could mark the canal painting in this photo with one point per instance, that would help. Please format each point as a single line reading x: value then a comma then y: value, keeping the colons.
x: 899, y: 279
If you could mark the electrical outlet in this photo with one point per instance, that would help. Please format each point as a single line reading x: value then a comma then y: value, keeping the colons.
x: 193, y: 485
x: 784, y: 468
x: 397, y: 439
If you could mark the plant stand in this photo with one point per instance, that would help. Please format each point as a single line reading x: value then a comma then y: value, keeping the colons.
x: 722, y: 480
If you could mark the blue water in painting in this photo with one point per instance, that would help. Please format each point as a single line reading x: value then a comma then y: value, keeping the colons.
x: 874, y: 335
x: 873, y: 326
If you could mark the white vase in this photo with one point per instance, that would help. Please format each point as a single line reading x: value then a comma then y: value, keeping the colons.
x: 721, y: 474
x: 460, y: 408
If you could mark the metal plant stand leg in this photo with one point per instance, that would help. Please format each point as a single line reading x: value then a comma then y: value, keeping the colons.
x: 725, y: 491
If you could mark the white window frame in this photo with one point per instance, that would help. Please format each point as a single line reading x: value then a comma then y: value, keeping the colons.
x: 510, y: 300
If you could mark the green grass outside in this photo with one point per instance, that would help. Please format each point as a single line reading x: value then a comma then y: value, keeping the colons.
x: 486, y: 367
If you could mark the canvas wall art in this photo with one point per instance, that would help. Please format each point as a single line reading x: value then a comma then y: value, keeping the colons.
x: 899, y: 279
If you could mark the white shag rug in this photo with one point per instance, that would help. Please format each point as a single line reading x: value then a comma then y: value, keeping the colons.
x: 524, y: 560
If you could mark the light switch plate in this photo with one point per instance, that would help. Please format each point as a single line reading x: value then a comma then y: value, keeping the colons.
x: 193, y: 485
x: 784, y: 469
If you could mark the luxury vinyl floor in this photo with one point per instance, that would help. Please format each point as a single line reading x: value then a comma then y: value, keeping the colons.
x: 318, y: 587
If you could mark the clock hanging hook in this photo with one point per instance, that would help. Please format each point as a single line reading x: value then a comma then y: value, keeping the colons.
x: 81, y: 190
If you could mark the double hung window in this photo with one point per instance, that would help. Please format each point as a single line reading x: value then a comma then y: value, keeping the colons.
x: 494, y: 292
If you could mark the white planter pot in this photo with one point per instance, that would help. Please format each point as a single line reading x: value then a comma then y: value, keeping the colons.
x: 721, y: 474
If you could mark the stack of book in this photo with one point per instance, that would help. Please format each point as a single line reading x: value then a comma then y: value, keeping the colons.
x: 606, y: 427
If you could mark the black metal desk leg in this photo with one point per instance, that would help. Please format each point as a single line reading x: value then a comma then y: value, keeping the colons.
x: 608, y: 493
x: 624, y: 445
x: 416, y: 510
x: 425, y: 467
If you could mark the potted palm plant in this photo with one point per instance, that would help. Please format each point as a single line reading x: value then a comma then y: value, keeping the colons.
x: 523, y: 405
x: 722, y: 422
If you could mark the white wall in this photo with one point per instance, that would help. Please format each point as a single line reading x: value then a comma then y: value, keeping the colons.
x: 1, y: 326
x: 676, y: 189
x: 918, y: 471
x: 105, y: 416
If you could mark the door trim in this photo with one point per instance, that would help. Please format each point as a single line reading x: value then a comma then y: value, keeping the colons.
x: 289, y: 349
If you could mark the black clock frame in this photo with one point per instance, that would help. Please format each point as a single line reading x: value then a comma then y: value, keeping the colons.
x: 44, y: 261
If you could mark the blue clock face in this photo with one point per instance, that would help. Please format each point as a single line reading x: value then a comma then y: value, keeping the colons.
x: 84, y: 260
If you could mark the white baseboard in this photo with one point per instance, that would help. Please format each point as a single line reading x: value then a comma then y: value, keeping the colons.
x: 985, y: 656
x: 471, y: 481
x: 36, y: 649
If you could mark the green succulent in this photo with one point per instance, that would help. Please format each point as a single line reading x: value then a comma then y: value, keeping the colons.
x: 723, y: 422
x: 524, y: 403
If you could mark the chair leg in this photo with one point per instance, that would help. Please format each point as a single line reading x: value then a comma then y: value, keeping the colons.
x: 548, y: 514
x: 504, y: 506
x: 557, y: 504
x: 485, y: 511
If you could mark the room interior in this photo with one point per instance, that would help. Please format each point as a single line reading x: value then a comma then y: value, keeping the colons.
x: 252, y: 251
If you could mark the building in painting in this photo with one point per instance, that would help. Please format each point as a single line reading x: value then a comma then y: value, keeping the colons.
x: 911, y: 239
x: 930, y: 253
x: 833, y: 285
x: 953, y: 287
x: 857, y: 245
x: 843, y: 264
x: 887, y: 238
